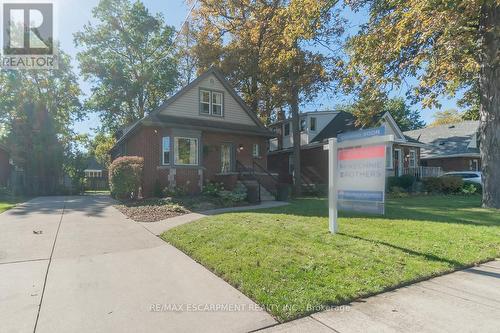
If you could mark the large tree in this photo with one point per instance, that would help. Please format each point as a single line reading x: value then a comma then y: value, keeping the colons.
x: 444, y: 117
x: 37, y: 110
x: 264, y: 49
x: 407, y: 118
x: 450, y: 47
x: 129, y: 58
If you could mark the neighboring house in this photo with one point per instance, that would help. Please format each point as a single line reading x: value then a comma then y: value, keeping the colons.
x: 453, y: 147
x: 5, y: 165
x: 96, y: 176
x: 317, y: 127
x: 94, y: 169
x: 203, y: 133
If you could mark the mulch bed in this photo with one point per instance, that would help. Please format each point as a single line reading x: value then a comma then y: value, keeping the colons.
x: 151, y: 210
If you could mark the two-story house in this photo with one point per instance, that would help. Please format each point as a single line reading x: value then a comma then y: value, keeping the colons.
x: 403, y: 154
x: 205, y: 132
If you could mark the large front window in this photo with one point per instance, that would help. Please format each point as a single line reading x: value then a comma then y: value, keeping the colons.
x: 186, y: 151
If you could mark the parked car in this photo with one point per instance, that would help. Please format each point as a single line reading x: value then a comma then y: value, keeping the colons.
x: 467, y: 176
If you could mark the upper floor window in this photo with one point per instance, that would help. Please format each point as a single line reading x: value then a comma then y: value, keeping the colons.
x: 287, y: 129
x: 302, y: 125
x: 217, y: 103
x: 205, y: 102
x: 211, y: 103
x: 313, y: 124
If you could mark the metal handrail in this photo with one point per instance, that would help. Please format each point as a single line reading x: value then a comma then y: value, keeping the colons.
x: 273, y: 177
x: 250, y: 172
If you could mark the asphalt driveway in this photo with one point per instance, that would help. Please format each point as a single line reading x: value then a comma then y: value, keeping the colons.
x: 76, y: 264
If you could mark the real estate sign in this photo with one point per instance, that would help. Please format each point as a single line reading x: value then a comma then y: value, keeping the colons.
x: 361, y: 179
x: 357, y: 172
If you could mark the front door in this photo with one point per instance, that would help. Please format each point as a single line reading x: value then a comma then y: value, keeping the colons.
x: 227, y: 157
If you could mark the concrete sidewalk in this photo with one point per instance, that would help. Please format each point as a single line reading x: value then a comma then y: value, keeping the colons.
x: 92, y: 270
x: 157, y: 228
x: 464, y: 301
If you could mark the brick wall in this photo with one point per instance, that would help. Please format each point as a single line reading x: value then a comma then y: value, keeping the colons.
x: 146, y: 142
x: 453, y: 163
x: 4, y: 167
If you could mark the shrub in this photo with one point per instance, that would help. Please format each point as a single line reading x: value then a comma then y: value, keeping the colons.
x: 230, y: 198
x: 446, y: 184
x: 175, y: 191
x: 398, y: 192
x: 392, y: 181
x: 451, y: 184
x: 125, y: 176
x: 4, y: 192
x: 315, y: 190
x: 213, y: 188
x: 406, y: 181
x: 471, y: 188
x: 157, y: 190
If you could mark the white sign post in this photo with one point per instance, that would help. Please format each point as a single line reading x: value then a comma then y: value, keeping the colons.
x: 356, y: 173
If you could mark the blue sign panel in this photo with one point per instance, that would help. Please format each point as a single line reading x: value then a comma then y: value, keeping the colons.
x: 374, y: 196
x: 362, y: 207
x: 361, y: 134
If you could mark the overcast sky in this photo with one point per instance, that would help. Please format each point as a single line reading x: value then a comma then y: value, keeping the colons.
x: 72, y: 15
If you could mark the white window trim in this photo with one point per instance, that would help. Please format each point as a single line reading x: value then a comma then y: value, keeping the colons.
x: 176, y: 150
x: 391, y: 158
x: 163, y: 150
x: 315, y: 124
x: 212, y: 103
x: 289, y: 129
x: 414, y: 160
x: 209, y: 101
x: 400, y: 161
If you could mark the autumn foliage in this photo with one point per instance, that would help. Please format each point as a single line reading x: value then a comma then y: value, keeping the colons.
x: 125, y: 177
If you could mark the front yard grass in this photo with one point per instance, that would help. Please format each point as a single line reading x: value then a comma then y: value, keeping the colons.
x: 286, y: 260
x: 8, y: 203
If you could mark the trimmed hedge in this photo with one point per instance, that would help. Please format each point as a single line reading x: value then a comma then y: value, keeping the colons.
x: 404, y: 182
x: 125, y: 177
x: 445, y: 184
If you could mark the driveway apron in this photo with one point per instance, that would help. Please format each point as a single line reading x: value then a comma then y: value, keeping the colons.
x: 76, y: 264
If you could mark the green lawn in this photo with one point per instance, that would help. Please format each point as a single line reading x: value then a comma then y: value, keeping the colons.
x: 8, y: 203
x: 286, y: 260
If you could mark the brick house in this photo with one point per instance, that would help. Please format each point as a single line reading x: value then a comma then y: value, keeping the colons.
x: 203, y: 133
x: 452, y: 147
x: 403, y: 155
x: 5, y: 167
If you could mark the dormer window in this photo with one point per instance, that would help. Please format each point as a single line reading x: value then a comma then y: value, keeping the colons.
x: 211, y: 103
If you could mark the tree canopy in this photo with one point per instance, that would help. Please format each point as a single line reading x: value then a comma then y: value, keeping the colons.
x: 434, y: 49
x: 129, y: 58
x: 444, y: 117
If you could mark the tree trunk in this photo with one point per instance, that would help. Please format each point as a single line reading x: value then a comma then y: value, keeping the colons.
x: 489, y: 87
x: 294, y: 107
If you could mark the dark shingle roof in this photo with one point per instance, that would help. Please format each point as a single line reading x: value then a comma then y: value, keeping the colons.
x: 343, y: 122
x: 210, y: 125
x: 446, y: 140
x: 93, y: 164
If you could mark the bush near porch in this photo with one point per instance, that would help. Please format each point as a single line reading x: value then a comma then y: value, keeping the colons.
x: 125, y: 177
x: 286, y: 260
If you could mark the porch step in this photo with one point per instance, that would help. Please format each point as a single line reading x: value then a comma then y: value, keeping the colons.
x: 265, y: 195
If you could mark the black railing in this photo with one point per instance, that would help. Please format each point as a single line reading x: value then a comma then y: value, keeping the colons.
x: 242, y: 169
x: 261, y: 175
